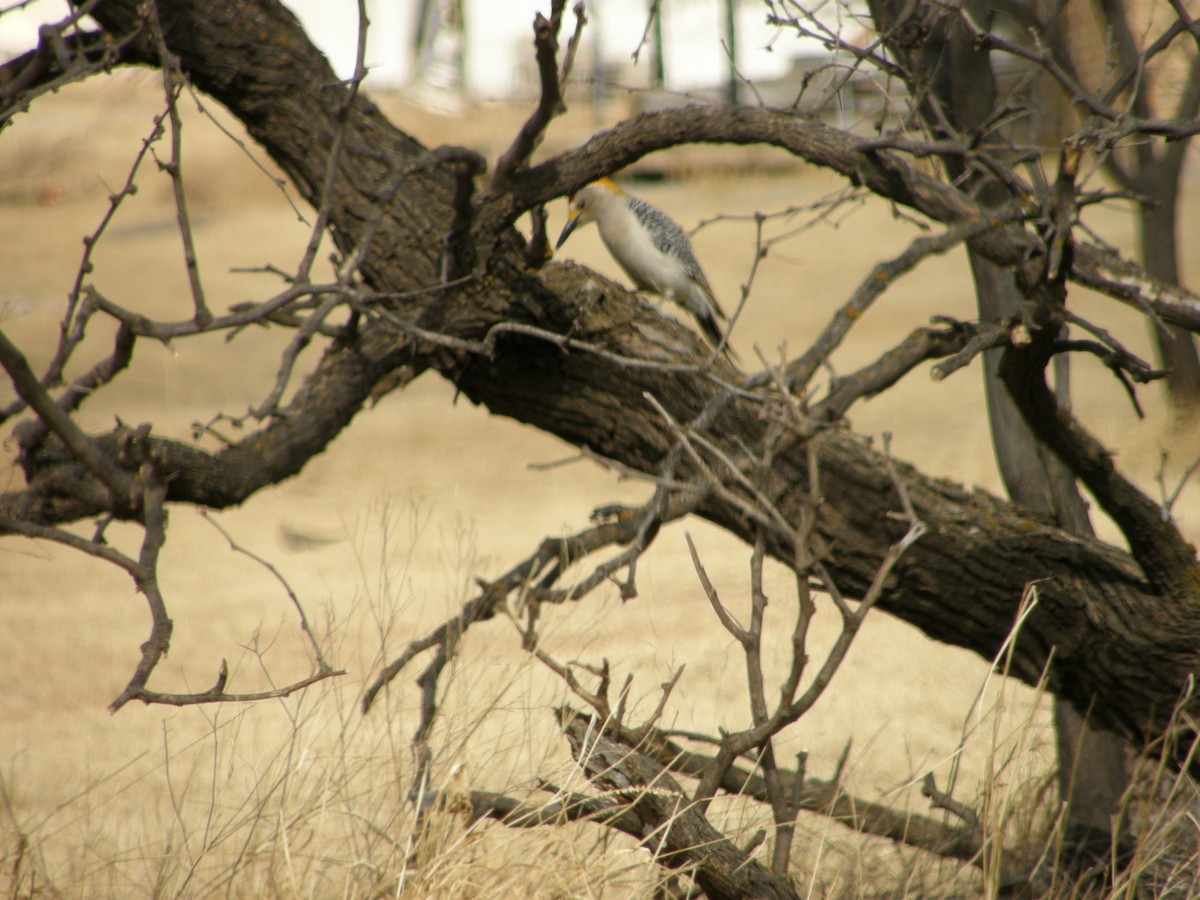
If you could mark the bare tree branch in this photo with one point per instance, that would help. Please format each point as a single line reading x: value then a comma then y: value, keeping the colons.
x: 538, y: 572
x: 115, y: 478
x: 540, y: 381
x: 675, y: 831
x: 545, y: 42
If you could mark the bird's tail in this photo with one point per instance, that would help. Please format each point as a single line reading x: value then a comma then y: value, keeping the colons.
x: 707, y: 314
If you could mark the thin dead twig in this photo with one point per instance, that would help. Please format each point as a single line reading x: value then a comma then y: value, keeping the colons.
x: 1126, y: 367
x: 871, y: 380
x: 154, y: 536
x: 341, y: 118
x: 882, y: 275
x: 988, y: 337
x: 760, y: 510
x: 322, y: 664
x: 1169, y: 498
x: 156, y: 647
x: 783, y: 808
x: 790, y: 708
x: 487, y: 346
x: 539, y: 570
x: 218, y: 694
x: 173, y: 81
x: 75, y: 542
x: 291, y: 354
x: 58, y: 60
x: 568, y: 62
x: 77, y: 315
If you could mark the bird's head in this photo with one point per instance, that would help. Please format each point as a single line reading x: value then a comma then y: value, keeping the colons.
x: 584, y: 205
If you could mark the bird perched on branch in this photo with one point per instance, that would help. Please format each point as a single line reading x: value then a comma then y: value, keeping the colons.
x: 651, y: 249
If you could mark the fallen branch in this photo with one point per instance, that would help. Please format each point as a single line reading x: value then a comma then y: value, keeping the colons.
x: 675, y: 830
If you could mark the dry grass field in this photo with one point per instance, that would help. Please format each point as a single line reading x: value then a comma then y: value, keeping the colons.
x: 382, y: 536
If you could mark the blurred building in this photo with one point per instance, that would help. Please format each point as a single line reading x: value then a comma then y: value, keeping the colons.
x: 484, y: 49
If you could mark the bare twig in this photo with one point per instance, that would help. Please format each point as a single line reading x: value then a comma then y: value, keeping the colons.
x: 758, y: 508
x: 487, y: 346
x: 322, y: 664
x: 92, y: 547
x: 869, y: 381
x: 173, y: 84
x: 156, y: 646
x: 545, y: 42
x: 335, y: 160
x: 280, y: 183
x: 540, y: 569
x: 790, y: 708
x: 64, y: 54
x: 993, y: 335
x: 882, y: 276
x: 218, y: 694
x: 568, y: 62
x: 652, y: 13
x: 145, y: 577
x: 1170, y: 498
x: 75, y: 319
x: 287, y: 360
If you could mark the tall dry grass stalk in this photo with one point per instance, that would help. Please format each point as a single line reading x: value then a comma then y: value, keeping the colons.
x: 306, y: 797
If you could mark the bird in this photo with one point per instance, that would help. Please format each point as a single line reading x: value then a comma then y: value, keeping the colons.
x: 651, y: 249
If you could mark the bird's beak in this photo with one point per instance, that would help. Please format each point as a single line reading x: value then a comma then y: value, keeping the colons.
x: 572, y: 222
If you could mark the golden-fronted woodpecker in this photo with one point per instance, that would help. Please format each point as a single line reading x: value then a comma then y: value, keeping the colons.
x: 651, y: 249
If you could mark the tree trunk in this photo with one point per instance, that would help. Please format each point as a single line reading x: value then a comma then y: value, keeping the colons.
x: 941, y: 53
x: 1159, y: 236
x: 1092, y: 774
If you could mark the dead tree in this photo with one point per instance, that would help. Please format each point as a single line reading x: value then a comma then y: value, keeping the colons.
x: 432, y: 277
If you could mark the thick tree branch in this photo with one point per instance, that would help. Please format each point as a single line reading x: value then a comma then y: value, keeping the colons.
x: 545, y: 42
x: 1166, y: 558
x: 884, y: 173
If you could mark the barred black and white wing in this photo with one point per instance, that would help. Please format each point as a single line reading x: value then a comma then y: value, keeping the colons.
x: 670, y: 240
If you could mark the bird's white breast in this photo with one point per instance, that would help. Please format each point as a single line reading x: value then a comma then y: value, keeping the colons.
x: 634, y: 250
